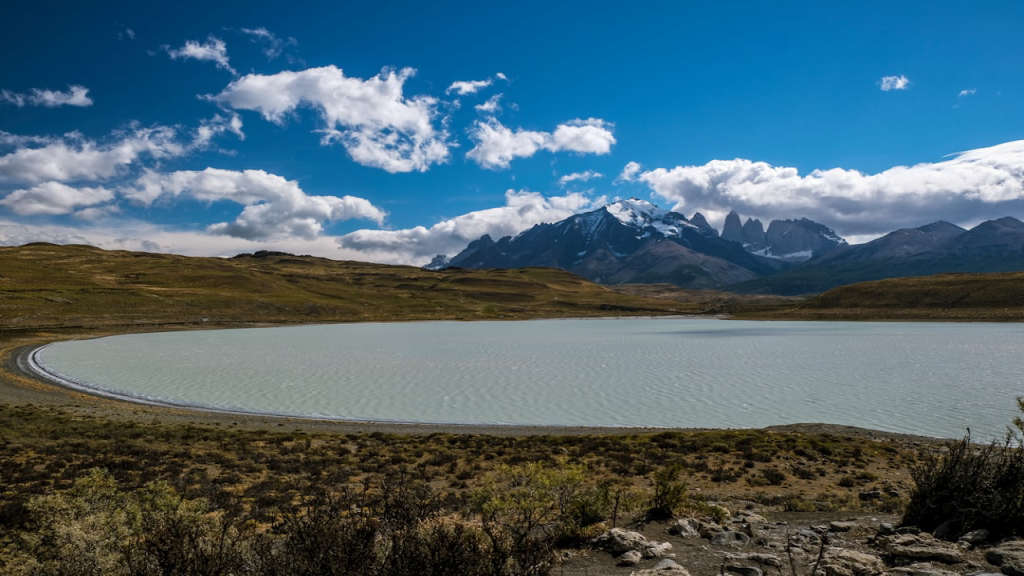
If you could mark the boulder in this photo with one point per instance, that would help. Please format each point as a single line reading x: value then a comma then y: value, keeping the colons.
x: 729, y: 538
x: 839, y: 526
x: 664, y: 568
x: 909, y: 548
x: 618, y: 541
x: 629, y: 558
x: 844, y: 562
x: 1009, y: 556
x: 685, y: 528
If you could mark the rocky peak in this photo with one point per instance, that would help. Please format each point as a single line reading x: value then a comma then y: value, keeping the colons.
x: 733, y: 230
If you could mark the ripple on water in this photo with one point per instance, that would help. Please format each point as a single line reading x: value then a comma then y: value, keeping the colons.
x: 926, y: 378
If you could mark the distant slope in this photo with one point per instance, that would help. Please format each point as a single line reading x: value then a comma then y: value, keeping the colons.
x: 50, y: 286
x: 944, y: 296
x: 937, y: 248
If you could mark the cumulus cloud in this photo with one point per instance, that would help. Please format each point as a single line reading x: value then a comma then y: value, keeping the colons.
x: 74, y: 96
x: 491, y: 106
x: 74, y: 157
x: 888, y: 83
x: 966, y: 92
x: 273, y: 206
x: 497, y: 145
x: 273, y: 45
x: 372, y: 119
x: 585, y: 176
x: 970, y: 186
x: 213, y: 50
x: 418, y: 245
x: 54, y: 198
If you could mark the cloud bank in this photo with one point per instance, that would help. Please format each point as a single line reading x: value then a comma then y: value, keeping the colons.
x: 970, y: 186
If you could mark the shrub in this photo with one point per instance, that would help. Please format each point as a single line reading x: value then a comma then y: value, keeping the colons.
x: 968, y: 487
x: 669, y: 493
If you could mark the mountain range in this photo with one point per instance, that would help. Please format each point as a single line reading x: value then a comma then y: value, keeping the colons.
x: 634, y: 241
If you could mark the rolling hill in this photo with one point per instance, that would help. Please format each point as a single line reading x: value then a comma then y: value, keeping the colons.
x: 45, y: 286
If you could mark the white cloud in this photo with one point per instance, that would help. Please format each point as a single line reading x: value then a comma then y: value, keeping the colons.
x: 213, y: 50
x: 501, y: 76
x: 273, y: 206
x: 464, y: 87
x: 888, y: 83
x: 491, y: 106
x: 73, y: 157
x: 54, y: 198
x: 972, y: 185
x: 629, y: 172
x: 372, y: 119
x: 966, y: 92
x: 418, y: 245
x: 75, y: 96
x: 584, y: 176
x: 273, y: 45
x: 497, y: 145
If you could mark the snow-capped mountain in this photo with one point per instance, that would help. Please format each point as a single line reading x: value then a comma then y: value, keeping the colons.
x: 626, y: 241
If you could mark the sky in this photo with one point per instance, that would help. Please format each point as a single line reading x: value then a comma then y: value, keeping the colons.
x: 392, y: 131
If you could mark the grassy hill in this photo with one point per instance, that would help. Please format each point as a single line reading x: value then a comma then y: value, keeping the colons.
x: 943, y: 296
x: 45, y: 286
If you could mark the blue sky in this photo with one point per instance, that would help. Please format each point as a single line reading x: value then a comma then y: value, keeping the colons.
x: 720, y: 106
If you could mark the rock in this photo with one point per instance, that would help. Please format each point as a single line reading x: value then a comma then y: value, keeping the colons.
x: 730, y: 538
x: 1009, y: 556
x: 908, y: 530
x: 664, y: 568
x: 839, y: 526
x: 975, y: 537
x: 921, y: 569
x: 618, y: 541
x: 870, y: 495
x: 629, y: 558
x: 919, y: 547
x: 748, y: 517
x: 708, y: 529
x: 886, y: 528
x: 685, y: 527
x: 756, y: 557
x: 743, y: 570
x: 843, y: 562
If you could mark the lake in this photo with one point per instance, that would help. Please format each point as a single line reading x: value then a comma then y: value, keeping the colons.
x: 932, y: 379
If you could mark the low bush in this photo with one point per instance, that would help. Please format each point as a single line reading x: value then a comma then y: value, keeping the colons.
x: 968, y: 487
